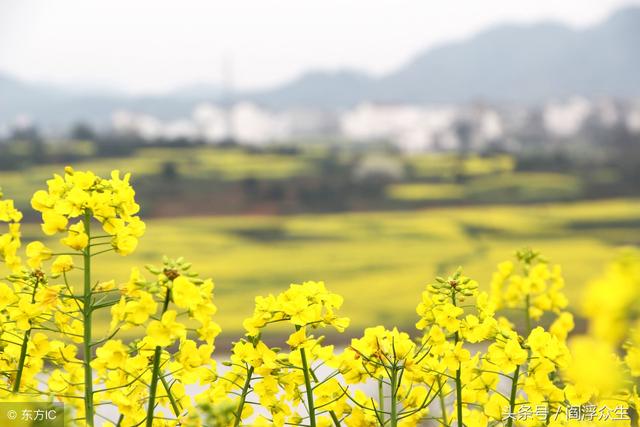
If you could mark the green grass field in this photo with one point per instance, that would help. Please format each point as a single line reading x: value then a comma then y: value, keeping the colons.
x: 380, y: 262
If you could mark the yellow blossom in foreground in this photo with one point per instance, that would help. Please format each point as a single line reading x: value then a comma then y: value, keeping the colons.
x: 165, y: 331
x: 8, y: 212
x: 7, y: 296
x: 507, y: 355
x: 62, y: 264
x: 111, y: 355
x: 185, y: 294
x: 84, y: 195
x: 37, y: 252
x: 77, y: 238
x: 309, y: 304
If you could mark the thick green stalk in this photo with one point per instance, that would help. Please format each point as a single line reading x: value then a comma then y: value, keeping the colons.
x: 512, y: 398
x: 23, y: 356
x: 309, y: 390
x: 87, y: 311
x: 23, y: 349
x: 243, y: 396
x: 394, y: 394
x: 458, y: 377
x: 153, y: 386
x: 155, y: 373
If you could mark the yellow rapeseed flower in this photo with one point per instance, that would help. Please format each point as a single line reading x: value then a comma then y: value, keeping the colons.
x: 185, y: 293
x: 62, y: 264
x: 37, y: 252
x: 165, y: 331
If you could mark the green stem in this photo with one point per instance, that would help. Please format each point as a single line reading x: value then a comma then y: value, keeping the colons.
x: 153, y: 386
x: 155, y: 373
x: 512, y: 398
x: 458, y: 376
x: 335, y: 419
x: 243, y: 396
x: 309, y: 390
x: 381, y: 396
x: 23, y: 349
x: 87, y: 311
x: 23, y: 357
x: 443, y: 407
x: 394, y: 393
x: 459, y: 396
x: 167, y: 387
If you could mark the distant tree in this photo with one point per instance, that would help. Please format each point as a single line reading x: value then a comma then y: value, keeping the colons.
x: 463, y: 130
x: 276, y: 192
x: 28, y: 133
x: 251, y: 187
x: 82, y: 131
x: 169, y: 171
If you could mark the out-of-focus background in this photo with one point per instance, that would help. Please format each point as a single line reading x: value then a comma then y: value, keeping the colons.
x: 372, y: 145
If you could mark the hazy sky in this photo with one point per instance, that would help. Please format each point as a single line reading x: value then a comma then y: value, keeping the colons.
x: 142, y: 46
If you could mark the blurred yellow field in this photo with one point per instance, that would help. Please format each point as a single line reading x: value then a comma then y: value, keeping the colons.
x: 380, y: 262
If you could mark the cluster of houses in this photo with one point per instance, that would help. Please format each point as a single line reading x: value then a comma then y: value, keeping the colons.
x: 410, y: 127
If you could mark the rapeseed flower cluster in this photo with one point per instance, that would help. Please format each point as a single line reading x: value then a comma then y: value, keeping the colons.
x: 283, y: 380
x: 478, y: 359
x: 10, y: 239
x: 455, y: 373
x: 536, y: 285
x: 79, y: 195
x: 47, y: 304
x: 607, y: 358
x: 309, y: 305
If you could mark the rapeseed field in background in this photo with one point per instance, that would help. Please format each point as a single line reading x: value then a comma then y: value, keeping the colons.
x: 390, y: 254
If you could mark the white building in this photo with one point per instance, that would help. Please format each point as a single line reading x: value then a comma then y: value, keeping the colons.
x: 412, y: 128
x: 566, y: 118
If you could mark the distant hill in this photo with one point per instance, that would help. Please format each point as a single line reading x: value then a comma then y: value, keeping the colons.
x: 321, y: 89
x: 531, y: 63
x: 517, y: 63
x: 507, y: 63
x: 53, y: 106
